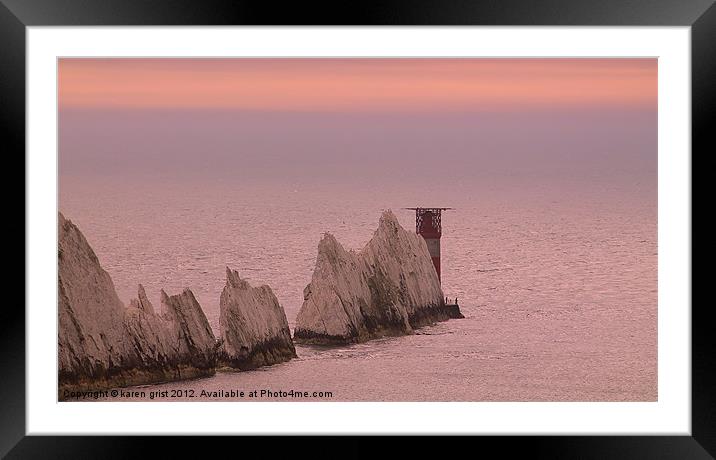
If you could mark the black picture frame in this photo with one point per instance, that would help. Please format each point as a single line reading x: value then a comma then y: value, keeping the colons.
x: 700, y: 15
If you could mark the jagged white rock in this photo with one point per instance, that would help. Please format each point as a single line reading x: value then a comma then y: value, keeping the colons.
x: 103, y: 344
x: 92, y: 338
x: 390, y: 287
x: 254, y: 329
x: 179, y: 337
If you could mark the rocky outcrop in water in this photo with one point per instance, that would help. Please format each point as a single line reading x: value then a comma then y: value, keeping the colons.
x: 179, y: 342
x: 254, y: 329
x: 102, y: 344
x: 388, y: 288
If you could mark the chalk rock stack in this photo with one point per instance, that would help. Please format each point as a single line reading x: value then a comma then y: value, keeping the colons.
x: 177, y: 343
x: 102, y: 344
x: 388, y: 288
x: 254, y: 329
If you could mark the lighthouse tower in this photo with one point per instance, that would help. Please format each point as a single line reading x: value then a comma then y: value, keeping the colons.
x: 428, y: 225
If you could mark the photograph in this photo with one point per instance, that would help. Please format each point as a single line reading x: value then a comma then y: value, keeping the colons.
x: 343, y: 229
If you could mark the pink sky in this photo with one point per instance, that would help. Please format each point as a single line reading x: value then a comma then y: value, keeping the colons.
x: 312, y: 120
x: 359, y: 85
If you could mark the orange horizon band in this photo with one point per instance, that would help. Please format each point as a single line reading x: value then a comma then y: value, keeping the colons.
x: 357, y: 84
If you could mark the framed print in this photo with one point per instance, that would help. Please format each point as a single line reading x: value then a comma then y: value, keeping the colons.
x: 246, y: 220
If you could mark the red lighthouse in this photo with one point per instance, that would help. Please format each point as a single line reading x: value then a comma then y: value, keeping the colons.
x: 428, y: 225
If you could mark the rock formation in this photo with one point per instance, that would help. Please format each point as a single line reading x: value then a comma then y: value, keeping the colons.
x: 388, y: 288
x: 178, y: 343
x: 254, y: 329
x: 102, y: 344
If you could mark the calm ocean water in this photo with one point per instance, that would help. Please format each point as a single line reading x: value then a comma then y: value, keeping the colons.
x: 557, y: 280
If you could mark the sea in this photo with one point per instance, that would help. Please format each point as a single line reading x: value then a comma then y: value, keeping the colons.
x: 557, y: 280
